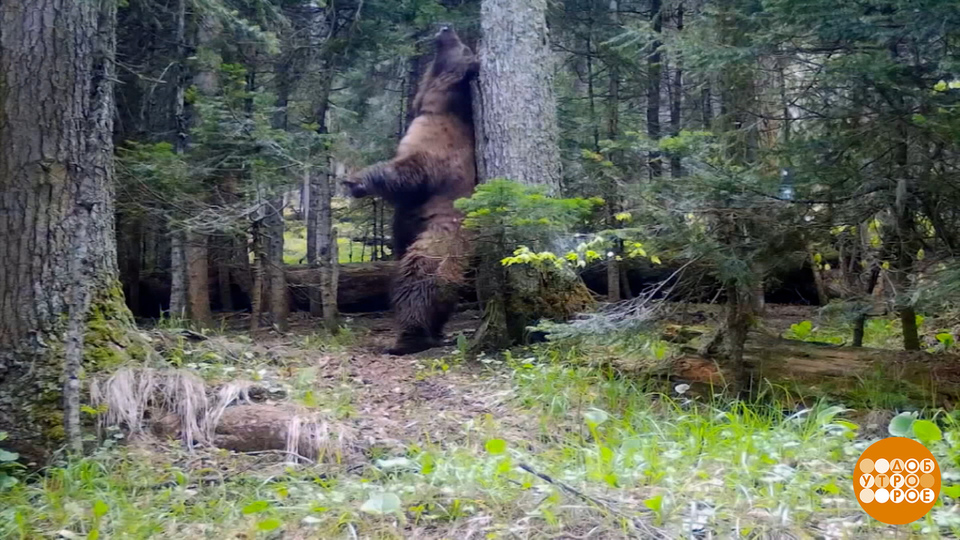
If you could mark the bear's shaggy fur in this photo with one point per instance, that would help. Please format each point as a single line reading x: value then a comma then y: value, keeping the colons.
x: 433, y: 167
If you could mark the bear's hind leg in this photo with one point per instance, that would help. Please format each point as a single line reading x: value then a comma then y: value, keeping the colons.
x: 413, y: 297
x: 425, y: 288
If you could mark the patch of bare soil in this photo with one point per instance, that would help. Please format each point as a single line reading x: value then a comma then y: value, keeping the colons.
x: 392, y: 402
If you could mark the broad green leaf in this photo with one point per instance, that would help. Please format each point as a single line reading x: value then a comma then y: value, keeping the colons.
x: 255, y: 507
x: 926, y: 431
x: 952, y: 491
x: 7, y: 482
x: 496, y: 446
x: 8, y: 456
x: 654, y: 503
x: 269, y: 524
x: 902, y: 424
x: 94, y: 534
x: 381, y: 503
x: 100, y: 508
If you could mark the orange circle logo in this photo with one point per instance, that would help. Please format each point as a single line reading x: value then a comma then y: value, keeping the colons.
x: 896, y: 480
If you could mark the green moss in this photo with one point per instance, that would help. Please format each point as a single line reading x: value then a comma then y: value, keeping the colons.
x: 107, y: 343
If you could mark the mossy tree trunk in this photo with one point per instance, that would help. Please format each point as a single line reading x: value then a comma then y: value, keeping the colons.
x: 59, y: 266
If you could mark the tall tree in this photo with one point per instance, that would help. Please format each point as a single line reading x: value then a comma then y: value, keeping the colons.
x: 56, y: 207
x: 517, y: 139
x: 654, y: 77
x: 517, y: 126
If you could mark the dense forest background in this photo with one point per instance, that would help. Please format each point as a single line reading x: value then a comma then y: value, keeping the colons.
x: 743, y: 206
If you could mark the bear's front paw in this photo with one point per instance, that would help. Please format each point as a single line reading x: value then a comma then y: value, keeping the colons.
x: 356, y: 188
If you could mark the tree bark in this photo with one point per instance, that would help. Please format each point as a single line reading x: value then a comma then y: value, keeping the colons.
x: 321, y: 238
x: 178, y: 275
x: 517, y: 133
x: 517, y: 139
x: 198, y: 279
x: 273, y: 221
x: 653, y: 88
x: 859, y: 326
x: 323, y: 234
x: 276, y: 280
x: 178, y: 252
x: 256, y: 291
x: 615, y: 270
x: 676, y: 98
x: 56, y: 209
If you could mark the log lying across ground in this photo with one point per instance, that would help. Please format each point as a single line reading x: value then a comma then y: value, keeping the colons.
x: 782, y: 360
x: 362, y: 287
x: 365, y: 287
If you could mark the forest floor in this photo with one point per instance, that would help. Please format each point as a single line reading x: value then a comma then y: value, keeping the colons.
x: 549, y: 442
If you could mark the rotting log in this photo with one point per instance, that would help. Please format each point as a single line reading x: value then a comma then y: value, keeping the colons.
x: 782, y: 360
x: 284, y: 428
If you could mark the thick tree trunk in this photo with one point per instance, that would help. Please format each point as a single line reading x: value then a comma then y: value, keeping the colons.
x: 198, y: 279
x: 517, y: 139
x: 276, y: 281
x: 57, y: 223
x: 517, y: 133
x: 739, y: 320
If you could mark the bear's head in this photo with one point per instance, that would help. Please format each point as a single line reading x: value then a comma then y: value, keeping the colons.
x: 452, y: 55
x: 444, y: 87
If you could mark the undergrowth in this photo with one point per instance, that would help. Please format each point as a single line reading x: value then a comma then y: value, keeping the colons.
x: 598, y: 453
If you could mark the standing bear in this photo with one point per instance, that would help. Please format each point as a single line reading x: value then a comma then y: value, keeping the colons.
x: 433, y: 167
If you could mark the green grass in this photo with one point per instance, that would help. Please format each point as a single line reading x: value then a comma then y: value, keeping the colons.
x: 879, y: 332
x: 636, y: 460
x: 295, y: 246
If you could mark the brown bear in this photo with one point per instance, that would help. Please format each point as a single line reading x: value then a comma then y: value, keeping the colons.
x: 433, y: 167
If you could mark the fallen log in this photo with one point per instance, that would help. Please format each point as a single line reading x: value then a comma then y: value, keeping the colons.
x: 282, y: 428
x: 783, y: 360
x: 362, y: 287
x: 177, y: 404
